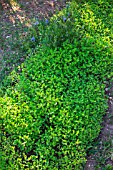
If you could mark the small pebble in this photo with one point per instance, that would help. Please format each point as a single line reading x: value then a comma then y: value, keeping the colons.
x: 8, y: 36
x: 112, y: 142
x: 112, y: 156
x: 106, y: 89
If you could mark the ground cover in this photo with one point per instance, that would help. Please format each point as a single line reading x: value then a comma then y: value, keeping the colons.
x: 58, y: 90
x: 15, y: 18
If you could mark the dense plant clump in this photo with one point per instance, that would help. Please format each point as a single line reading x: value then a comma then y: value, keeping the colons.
x: 52, y: 109
x: 75, y: 21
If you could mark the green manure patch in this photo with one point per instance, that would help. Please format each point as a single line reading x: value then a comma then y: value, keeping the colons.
x: 52, y: 109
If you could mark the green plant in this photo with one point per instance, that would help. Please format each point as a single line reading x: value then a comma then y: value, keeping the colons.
x: 52, y: 109
x: 77, y: 20
x: 46, y: 115
x: 108, y: 167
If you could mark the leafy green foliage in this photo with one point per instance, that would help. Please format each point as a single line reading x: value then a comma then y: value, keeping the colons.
x: 75, y: 21
x: 52, y: 109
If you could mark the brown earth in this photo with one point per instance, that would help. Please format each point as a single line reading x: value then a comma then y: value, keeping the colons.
x: 106, y: 136
x: 16, y: 16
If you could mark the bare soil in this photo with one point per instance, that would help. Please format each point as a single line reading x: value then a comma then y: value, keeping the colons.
x: 16, y: 16
x: 103, y: 157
